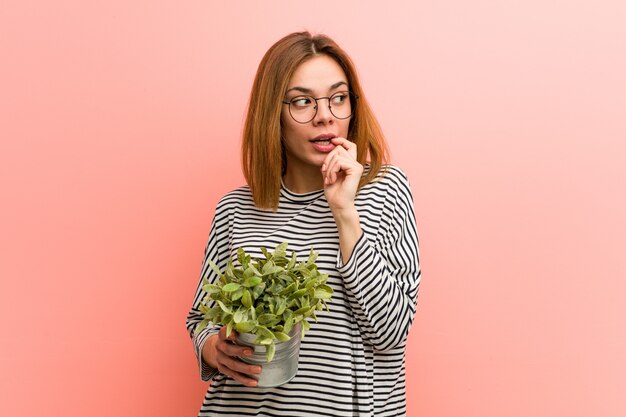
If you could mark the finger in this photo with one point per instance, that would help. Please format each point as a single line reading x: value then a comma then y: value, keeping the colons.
x: 222, y: 334
x: 340, y: 165
x: 237, y: 376
x: 237, y: 364
x: 332, y: 156
x: 328, y: 168
x: 237, y: 369
x: 334, y: 171
x: 345, y: 144
x: 331, y: 173
x: 231, y: 349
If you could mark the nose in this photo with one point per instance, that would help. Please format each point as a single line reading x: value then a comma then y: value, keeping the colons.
x: 324, y: 114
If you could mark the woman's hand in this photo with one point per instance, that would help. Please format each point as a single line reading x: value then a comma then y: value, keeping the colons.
x: 342, y: 173
x: 221, y: 353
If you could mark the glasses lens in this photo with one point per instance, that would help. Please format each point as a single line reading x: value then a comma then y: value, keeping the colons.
x: 341, y: 104
x: 302, y: 108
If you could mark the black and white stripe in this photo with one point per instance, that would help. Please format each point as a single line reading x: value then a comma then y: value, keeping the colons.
x: 352, y: 360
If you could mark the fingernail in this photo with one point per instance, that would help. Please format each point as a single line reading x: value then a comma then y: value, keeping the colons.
x: 323, y: 167
x: 257, y: 370
x: 247, y: 352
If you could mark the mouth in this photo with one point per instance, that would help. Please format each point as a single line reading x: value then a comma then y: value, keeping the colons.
x: 323, y: 139
x: 322, y: 143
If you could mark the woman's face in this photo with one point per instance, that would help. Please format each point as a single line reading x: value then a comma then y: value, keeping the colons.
x: 307, y: 144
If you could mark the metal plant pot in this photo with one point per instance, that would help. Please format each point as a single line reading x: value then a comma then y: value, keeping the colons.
x: 283, y: 367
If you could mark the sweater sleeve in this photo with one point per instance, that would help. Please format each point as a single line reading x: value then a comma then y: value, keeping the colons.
x: 382, y: 275
x: 216, y: 250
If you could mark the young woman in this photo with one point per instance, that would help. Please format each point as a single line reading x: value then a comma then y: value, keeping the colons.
x: 314, y: 158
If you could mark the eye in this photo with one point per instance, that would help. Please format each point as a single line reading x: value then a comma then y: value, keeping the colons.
x: 302, y: 101
x: 339, y: 98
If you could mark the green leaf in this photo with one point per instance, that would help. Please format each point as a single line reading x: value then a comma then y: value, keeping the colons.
x: 236, y: 295
x: 246, y: 300
x: 255, y: 270
x: 210, y: 288
x: 305, y: 327
x: 215, y: 268
x: 215, y: 313
x: 224, y: 308
x: 276, y: 269
x: 311, y: 283
x: 281, y: 305
x: 252, y: 281
x: 302, y: 311
x: 257, y: 290
x: 238, y: 316
x: 245, y: 326
x: 288, y: 324
x: 289, y: 289
x: 271, y: 349
x: 312, y: 257
x: 229, y: 272
x: 275, y: 288
x: 292, y: 262
x: 241, y: 256
x: 263, y: 340
x: 266, y: 318
x: 288, y: 277
x: 283, y: 337
x: 326, y: 288
x: 281, y: 250
x: 323, y: 294
x: 230, y: 287
x: 267, y: 267
x: 298, y: 293
x: 264, y: 332
x: 201, y: 326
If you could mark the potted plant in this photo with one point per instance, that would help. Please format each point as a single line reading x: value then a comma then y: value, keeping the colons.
x: 268, y: 301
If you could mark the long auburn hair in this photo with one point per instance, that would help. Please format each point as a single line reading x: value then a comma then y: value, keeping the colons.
x: 263, y: 155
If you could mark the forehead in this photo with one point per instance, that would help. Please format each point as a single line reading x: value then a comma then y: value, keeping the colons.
x: 317, y: 73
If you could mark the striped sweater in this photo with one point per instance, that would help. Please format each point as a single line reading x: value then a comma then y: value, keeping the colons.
x: 352, y: 360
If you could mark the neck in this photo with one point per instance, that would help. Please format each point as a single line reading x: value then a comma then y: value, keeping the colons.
x: 304, y: 181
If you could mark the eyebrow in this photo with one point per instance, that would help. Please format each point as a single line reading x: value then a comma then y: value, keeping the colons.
x: 309, y: 91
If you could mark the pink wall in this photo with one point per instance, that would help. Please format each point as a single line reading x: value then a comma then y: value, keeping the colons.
x: 119, y: 130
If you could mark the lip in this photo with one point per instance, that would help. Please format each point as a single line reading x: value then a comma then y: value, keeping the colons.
x: 323, y: 147
x: 325, y: 136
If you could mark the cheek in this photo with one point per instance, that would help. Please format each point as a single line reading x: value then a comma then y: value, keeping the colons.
x: 286, y: 126
x: 345, y: 128
x: 291, y: 131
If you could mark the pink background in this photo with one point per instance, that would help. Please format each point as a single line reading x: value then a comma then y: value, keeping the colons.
x: 120, y: 125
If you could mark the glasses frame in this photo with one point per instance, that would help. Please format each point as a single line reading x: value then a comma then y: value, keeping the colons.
x: 353, y: 99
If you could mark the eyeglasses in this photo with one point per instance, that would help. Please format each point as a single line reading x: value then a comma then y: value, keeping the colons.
x: 303, y: 108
